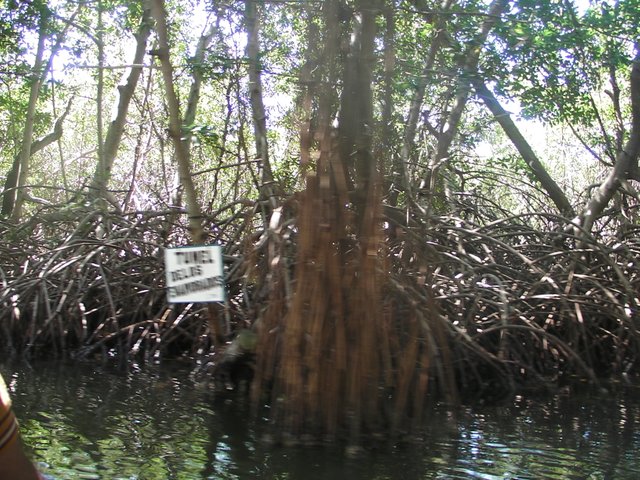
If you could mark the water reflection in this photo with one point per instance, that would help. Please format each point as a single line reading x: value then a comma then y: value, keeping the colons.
x: 87, y: 422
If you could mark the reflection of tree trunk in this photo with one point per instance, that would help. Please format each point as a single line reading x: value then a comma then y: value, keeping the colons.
x: 252, y: 22
x: 113, y: 137
x: 537, y: 168
x: 626, y: 164
x: 198, y: 234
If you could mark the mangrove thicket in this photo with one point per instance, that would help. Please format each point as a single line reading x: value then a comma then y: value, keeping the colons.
x: 416, y: 199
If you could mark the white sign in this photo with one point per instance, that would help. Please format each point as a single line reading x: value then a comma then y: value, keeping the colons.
x: 194, y: 274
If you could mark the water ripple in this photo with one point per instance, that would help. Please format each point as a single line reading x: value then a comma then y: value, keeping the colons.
x: 91, y: 423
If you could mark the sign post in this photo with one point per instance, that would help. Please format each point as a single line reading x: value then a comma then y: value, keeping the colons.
x: 194, y: 274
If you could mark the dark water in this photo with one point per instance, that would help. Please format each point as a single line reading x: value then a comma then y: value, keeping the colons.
x: 87, y: 422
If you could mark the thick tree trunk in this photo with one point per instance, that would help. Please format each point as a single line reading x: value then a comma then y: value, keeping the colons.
x: 556, y: 194
x: 355, y: 121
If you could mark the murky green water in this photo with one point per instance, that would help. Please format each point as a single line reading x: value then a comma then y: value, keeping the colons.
x: 90, y: 422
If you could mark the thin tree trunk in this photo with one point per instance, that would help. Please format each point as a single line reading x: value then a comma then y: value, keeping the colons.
x: 469, y: 68
x: 384, y: 146
x: 194, y: 99
x: 192, y: 108
x: 107, y: 154
x: 196, y: 83
x: 61, y: 156
x: 102, y: 168
x: 194, y: 213
x: 10, y: 184
x: 308, y: 84
x: 252, y: 23
x: 626, y: 159
x: 13, y: 203
x: 25, y: 151
x: 401, y: 168
x: 556, y: 194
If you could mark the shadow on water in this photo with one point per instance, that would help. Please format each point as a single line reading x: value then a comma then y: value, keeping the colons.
x: 88, y: 422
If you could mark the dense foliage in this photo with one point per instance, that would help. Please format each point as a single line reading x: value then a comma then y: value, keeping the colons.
x: 449, y: 184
